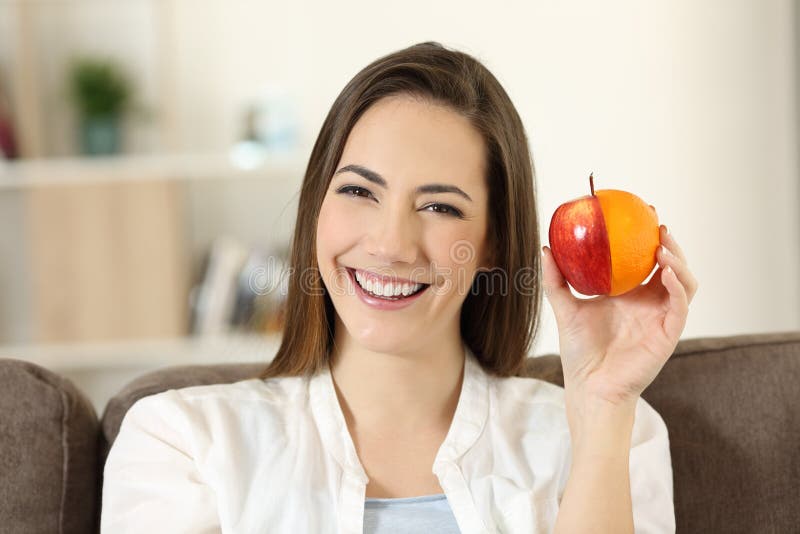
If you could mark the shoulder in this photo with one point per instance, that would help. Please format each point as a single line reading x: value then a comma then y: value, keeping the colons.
x: 200, y: 412
x: 524, y: 400
x: 528, y: 390
x: 274, y: 392
x: 182, y: 452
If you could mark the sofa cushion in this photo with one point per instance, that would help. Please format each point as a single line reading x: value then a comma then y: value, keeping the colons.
x: 48, y: 453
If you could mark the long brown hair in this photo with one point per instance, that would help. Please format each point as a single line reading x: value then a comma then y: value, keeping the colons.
x: 499, y: 319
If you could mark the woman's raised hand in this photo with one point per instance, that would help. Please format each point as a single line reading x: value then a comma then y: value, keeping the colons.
x: 612, y: 348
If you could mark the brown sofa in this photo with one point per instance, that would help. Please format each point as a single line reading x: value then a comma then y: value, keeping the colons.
x: 731, y: 404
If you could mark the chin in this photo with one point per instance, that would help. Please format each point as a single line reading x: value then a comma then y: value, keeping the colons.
x: 376, y: 338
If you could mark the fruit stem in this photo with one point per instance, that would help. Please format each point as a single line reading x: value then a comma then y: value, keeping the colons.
x: 591, y: 182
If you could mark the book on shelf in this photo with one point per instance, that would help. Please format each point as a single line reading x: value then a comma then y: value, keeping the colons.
x: 241, y: 288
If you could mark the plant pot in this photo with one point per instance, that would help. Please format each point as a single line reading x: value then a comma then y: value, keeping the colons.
x: 100, y: 136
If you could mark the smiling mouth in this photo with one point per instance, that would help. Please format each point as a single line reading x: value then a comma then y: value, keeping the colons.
x: 401, y: 296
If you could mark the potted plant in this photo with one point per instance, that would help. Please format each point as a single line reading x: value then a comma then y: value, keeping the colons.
x: 101, y: 93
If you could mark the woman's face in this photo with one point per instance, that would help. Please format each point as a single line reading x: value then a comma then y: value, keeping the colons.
x: 408, y: 202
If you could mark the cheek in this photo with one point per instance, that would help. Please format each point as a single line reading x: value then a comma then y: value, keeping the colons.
x: 457, y: 247
x: 336, y: 229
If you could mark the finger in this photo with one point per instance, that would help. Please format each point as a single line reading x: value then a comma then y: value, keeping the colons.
x: 686, y: 278
x: 668, y: 241
x: 675, y: 319
x: 556, y: 288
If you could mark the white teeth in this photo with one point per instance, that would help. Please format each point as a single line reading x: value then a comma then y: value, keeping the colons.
x: 387, y: 289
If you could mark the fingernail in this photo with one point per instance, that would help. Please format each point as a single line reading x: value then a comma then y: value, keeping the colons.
x: 666, y: 229
x: 666, y: 251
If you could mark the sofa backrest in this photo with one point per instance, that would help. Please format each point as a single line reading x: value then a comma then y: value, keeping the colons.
x: 732, y: 408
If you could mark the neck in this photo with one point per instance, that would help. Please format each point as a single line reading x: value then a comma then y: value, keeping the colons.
x: 398, y: 396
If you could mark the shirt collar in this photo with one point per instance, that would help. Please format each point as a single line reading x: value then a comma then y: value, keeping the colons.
x: 468, y: 421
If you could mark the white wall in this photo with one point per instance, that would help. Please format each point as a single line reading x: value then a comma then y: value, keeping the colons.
x: 691, y: 105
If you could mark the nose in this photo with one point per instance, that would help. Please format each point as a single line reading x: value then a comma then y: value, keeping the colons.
x: 393, y: 238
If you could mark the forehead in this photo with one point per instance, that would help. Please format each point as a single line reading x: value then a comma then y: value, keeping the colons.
x: 401, y: 136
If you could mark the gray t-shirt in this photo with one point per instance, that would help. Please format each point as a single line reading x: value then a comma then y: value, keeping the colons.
x: 429, y: 513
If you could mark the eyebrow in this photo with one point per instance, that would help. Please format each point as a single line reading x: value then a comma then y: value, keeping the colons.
x: 376, y: 178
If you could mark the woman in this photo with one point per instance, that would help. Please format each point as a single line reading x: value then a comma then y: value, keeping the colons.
x: 393, y: 403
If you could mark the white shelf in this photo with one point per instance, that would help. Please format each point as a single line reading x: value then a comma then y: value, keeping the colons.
x: 152, y: 353
x: 20, y: 174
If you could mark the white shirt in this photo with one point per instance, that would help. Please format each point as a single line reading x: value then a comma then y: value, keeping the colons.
x: 275, y: 456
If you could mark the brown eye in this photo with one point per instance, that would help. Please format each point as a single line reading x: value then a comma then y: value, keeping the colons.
x: 445, y: 209
x: 354, y: 191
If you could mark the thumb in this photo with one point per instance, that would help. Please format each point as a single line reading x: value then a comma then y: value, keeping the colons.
x: 555, y: 286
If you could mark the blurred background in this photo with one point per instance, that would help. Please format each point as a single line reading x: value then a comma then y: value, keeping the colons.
x: 153, y: 152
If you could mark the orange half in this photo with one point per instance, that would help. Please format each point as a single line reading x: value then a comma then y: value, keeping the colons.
x: 633, y: 238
